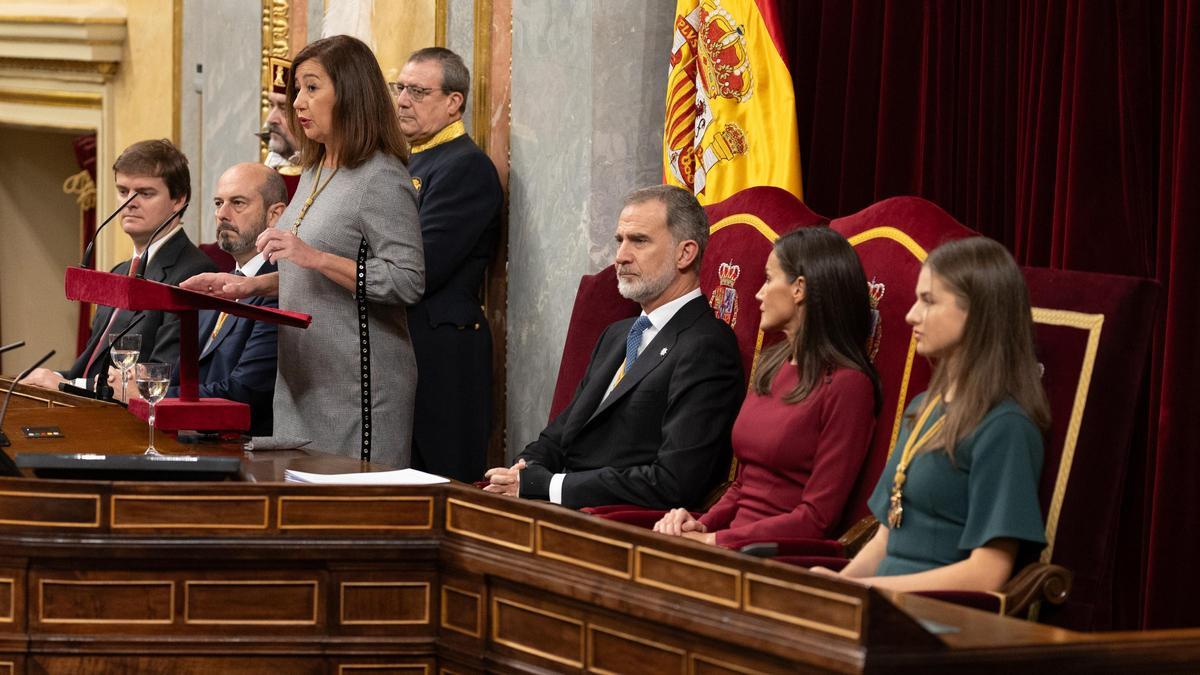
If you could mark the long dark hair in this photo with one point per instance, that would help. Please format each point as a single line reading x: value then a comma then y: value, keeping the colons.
x: 364, y: 121
x: 994, y: 359
x: 837, y: 313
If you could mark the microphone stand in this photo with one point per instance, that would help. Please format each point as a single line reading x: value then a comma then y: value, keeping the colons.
x: 4, y: 409
x: 141, y: 273
x: 87, y: 252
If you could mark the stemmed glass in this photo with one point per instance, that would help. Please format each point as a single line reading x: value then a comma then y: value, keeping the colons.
x: 124, y: 350
x: 152, y: 381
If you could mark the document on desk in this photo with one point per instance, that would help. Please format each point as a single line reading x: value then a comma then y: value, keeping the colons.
x: 398, y: 477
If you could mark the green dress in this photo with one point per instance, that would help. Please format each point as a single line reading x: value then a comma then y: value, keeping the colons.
x: 989, y: 490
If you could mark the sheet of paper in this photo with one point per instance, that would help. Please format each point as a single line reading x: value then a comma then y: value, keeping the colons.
x: 398, y: 477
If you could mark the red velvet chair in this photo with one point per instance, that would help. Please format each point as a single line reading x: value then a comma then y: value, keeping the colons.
x: 223, y: 261
x: 1092, y: 334
x: 742, y: 230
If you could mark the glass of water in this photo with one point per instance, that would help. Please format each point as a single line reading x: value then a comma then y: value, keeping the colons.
x: 124, y: 350
x: 152, y: 381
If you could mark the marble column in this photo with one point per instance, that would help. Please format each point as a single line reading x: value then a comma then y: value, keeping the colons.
x: 588, y: 82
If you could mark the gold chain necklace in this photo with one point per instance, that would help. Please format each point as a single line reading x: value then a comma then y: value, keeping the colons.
x: 317, y: 189
x: 896, y: 509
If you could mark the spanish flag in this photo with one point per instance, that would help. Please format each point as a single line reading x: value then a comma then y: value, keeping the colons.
x: 731, y: 114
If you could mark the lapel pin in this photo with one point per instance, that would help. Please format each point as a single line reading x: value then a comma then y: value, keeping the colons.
x: 663, y: 352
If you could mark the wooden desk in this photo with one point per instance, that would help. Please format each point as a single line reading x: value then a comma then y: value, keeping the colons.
x: 260, y: 576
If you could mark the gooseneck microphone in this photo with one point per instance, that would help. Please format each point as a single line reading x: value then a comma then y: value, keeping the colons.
x: 87, y: 252
x: 141, y: 273
x: 10, y: 347
x: 7, y: 396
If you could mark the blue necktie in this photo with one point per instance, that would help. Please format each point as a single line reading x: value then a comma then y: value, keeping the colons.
x: 635, y: 340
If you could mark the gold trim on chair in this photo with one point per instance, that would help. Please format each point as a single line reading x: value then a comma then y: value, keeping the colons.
x: 1093, y: 324
x: 918, y: 252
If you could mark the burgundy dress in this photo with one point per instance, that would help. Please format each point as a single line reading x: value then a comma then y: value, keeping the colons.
x: 797, y: 463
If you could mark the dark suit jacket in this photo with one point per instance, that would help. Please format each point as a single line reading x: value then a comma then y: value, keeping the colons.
x: 459, y: 203
x: 177, y: 260
x: 239, y: 365
x: 661, y: 438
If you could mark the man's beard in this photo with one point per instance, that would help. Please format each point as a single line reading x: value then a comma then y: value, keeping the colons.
x: 237, y: 243
x: 278, y: 142
x: 643, y: 289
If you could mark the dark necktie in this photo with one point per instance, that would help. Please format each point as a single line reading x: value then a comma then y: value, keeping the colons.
x: 634, y: 340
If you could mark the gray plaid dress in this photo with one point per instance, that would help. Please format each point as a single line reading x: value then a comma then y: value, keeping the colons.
x: 318, y: 390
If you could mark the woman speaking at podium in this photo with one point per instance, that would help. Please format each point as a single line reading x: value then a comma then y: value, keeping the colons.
x: 349, y: 253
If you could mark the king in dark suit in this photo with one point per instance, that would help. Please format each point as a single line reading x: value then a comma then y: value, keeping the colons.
x: 158, y: 173
x: 459, y: 202
x: 238, y: 355
x: 650, y: 422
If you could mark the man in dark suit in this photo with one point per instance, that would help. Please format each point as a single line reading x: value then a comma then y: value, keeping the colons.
x: 650, y: 422
x: 158, y: 173
x: 459, y: 200
x: 238, y: 355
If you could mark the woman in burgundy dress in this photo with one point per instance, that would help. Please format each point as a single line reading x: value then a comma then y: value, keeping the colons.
x: 804, y: 430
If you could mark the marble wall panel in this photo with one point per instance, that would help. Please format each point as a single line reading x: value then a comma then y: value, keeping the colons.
x: 220, y: 100
x: 587, y: 116
x: 460, y: 39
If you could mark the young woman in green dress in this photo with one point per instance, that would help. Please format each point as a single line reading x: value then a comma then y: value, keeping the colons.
x: 959, y: 493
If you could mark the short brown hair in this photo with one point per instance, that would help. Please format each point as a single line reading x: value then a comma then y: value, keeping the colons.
x: 686, y: 219
x: 158, y: 159
x: 364, y: 119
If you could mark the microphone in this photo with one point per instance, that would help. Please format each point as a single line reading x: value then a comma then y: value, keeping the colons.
x: 87, y: 252
x: 10, y: 347
x: 7, y: 396
x: 101, y: 387
x: 141, y: 273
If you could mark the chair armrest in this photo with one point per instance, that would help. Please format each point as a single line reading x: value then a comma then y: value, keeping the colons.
x: 794, y: 547
x: 858, y: 535
x: 1035, y: 583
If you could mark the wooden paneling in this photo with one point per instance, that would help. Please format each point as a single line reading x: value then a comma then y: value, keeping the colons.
x: 614, y: 651
x: 594, y: 552
x: 686, y: 576
x: 105, y: 601
x: 49, y: 509
x: 489, y: 524
x: 178, y: 512
x: 383, y: 603
x: 246, y: 603
x: 355, y: 513
x: 462, y: 610
x: 537, y: 632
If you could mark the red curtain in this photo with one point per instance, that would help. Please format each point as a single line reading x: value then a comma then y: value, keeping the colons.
x: 85, y: 155
x: 1068, y: 130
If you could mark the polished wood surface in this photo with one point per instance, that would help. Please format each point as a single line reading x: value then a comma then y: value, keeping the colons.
x: 25, y: 396
x: 263, y: 576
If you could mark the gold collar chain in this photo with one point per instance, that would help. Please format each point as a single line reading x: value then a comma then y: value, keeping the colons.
x: 915, y: 441
x: 318, y: 188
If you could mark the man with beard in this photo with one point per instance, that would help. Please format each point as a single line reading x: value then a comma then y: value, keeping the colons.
x: 650, y: 422
x: 238, y: 355
x: 459, y: 201
x: 283, y: 153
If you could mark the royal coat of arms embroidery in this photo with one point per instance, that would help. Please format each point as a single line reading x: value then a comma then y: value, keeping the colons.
x: 724, y: 300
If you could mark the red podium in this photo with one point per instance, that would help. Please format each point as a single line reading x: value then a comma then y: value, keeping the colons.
x: 189, y: 411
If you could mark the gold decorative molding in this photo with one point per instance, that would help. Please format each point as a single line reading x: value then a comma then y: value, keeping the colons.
x: 276, y: 43
x: 188, y: 585
x: 1093, y: 324
x: 440, y: 17
x: 642, y: 554
x: 11, y: 614
x: 455, y: 506
x: 626, y: 572
x: 77, y: 35
x: 695, y: 659
x: 55, y: 97
x: 257, y: 504
x: 64, y: 497
x: 593, y: 629
x: 283, y: 522
x: 361, y: 667
x: 481, y: 117
x: 83, y: 187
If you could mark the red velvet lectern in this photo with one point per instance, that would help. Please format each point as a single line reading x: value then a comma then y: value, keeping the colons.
x: 130, y: 293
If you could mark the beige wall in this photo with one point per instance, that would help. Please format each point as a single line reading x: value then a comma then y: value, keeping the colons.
x: 401, y: 27
x: 39, y: 228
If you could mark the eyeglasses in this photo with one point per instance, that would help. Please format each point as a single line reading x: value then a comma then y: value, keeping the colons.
x: 417, y: 94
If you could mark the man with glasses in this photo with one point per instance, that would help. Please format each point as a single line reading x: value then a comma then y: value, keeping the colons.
x: 459, y: 200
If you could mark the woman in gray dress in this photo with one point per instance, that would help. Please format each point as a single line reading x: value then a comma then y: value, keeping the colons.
x: 349, y: 253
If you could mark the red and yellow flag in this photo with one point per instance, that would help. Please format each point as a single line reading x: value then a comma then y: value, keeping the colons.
x: 731, y: 113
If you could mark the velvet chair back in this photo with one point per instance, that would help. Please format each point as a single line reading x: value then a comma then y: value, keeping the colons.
x: 1092, y: 333
x: 893, y: 238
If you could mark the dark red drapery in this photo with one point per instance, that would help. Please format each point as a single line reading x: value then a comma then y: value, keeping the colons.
x: 1068, y: 130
